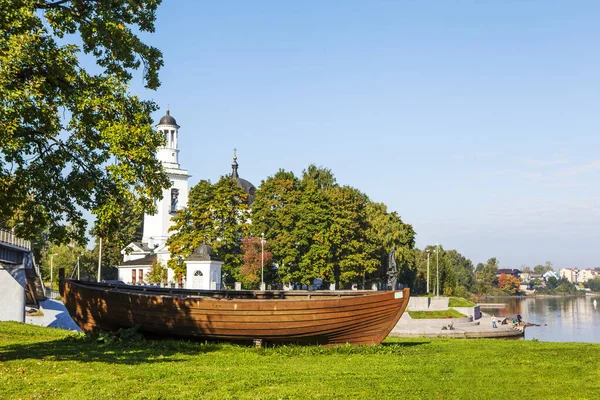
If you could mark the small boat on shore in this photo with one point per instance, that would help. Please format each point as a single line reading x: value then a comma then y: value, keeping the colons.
x: 311, y: 317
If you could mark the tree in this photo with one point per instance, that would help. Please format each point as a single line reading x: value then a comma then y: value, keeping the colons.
x: 463, y: 268
x: 593, y: 284
x: 275, y: 214
x: 318, y: 229
x: 387, y: 230
x: 216, y: 214
x: 509, y: 284
x: 254, y: 258
x: 60, y: 256
x: 542, y: 269
x: 158, y: 273
x: 487, y: 276
x: 72, y: 140
x: 552, y: 283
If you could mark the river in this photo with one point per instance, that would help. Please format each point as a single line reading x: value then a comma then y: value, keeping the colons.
x: 561, y: 319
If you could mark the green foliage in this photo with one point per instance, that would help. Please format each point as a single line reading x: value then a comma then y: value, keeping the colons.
x: 487, y: 277
x: 157, y: 274
x: 316, y: 228
x: 450, y: 313
x: 593, y: 284
x: 67, y: 365
x: 387, y: 230
x: 455, y: 271
x: 459, y: 302
x: 217, y: 215
x: 542, y: 269
x: 71, y: 140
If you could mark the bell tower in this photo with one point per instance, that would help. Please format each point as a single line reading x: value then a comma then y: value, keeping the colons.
x: 156, y: 227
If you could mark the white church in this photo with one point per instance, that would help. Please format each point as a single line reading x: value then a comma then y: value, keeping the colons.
x: 203, y: 267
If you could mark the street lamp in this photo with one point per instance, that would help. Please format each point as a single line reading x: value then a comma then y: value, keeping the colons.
x: 437, y: 268
x: 262, y: 261
x: 428, y: 251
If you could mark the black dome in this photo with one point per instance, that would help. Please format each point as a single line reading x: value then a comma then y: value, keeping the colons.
x: 203, y: 253
x: 168, y: 120
x: 246, y: 186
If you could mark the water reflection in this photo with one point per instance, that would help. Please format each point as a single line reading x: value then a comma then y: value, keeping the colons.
x: 561, y: 319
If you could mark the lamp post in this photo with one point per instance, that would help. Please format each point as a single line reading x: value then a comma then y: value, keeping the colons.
x: 428, y: 251
x: 100, y: 260
x: 262, y: 261
x: 437, y: 268
x: 51, y: 272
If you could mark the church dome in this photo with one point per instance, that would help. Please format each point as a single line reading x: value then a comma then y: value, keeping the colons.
x: 168, y: 120
x: 246, y: 186
x: 203, y: 253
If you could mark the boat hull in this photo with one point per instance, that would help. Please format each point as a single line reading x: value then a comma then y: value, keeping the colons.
x: 355, y: 317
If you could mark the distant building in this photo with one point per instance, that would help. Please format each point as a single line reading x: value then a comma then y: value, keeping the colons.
x: 587, y: 274
x: 508, y: 271
x: 524, y: 276
x: 549, y: 274
x: 570, y: 274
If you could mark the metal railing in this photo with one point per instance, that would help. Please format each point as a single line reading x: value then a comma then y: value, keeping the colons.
x: 6, y: 236
x: 51, y: 293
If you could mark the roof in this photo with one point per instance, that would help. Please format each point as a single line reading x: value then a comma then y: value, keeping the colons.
x: 203, y: 253
x: 245, y: 185
x: 145, y: 261
x: 168, y: 120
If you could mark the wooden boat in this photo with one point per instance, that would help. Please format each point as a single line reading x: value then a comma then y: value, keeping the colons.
x: 317, y: 317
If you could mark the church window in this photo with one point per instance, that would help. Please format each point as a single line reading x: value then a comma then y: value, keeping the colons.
x: 198, y: 273
x: 174, y: 199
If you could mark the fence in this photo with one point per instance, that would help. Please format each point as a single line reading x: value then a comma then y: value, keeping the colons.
x: 51, y: 293
x: 6, y: 236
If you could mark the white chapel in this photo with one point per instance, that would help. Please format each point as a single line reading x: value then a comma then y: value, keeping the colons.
x: 203, y: 267
x: 138, y: 257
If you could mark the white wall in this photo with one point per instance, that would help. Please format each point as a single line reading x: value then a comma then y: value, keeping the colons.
x: 12, y: 293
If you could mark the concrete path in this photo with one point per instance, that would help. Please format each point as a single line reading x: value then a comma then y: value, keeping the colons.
x: 55, y: 316
x: 481, y: 328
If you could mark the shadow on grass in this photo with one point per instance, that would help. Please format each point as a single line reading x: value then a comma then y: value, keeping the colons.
x: 86, y: 349
x: 403, y: 344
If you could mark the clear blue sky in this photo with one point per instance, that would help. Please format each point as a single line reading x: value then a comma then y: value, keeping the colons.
x: 477, y: 121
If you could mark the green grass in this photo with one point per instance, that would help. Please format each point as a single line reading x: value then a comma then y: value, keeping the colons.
x: 459, y: 302
x: 436, y: 314
x: 47, y: 363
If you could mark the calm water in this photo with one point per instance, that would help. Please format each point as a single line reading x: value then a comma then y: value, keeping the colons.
x: 561, y: 319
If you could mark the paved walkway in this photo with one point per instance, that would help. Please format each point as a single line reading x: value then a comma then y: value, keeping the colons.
x: 481, y: 328
x: 55, y: 316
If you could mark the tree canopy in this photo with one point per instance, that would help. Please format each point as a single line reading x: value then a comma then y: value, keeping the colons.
x: 74, y: 140
x: 317, y: 228
x: 217, y: 215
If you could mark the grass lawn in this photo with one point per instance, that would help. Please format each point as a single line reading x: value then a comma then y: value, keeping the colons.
x: 45, y: 363
x: 459, y: 302
x: 436, y: 314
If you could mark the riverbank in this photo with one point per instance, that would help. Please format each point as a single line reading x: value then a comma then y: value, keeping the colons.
x: 39, y: 362
x: 409, y: 327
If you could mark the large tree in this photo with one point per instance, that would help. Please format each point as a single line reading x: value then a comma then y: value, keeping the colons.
x: 487, y: 276
x: 387, y: 231
x: 318, y: 229
x: 275, y: 215
x: 74, y: 140
x: 463, y: 268
x: 217, y: 215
